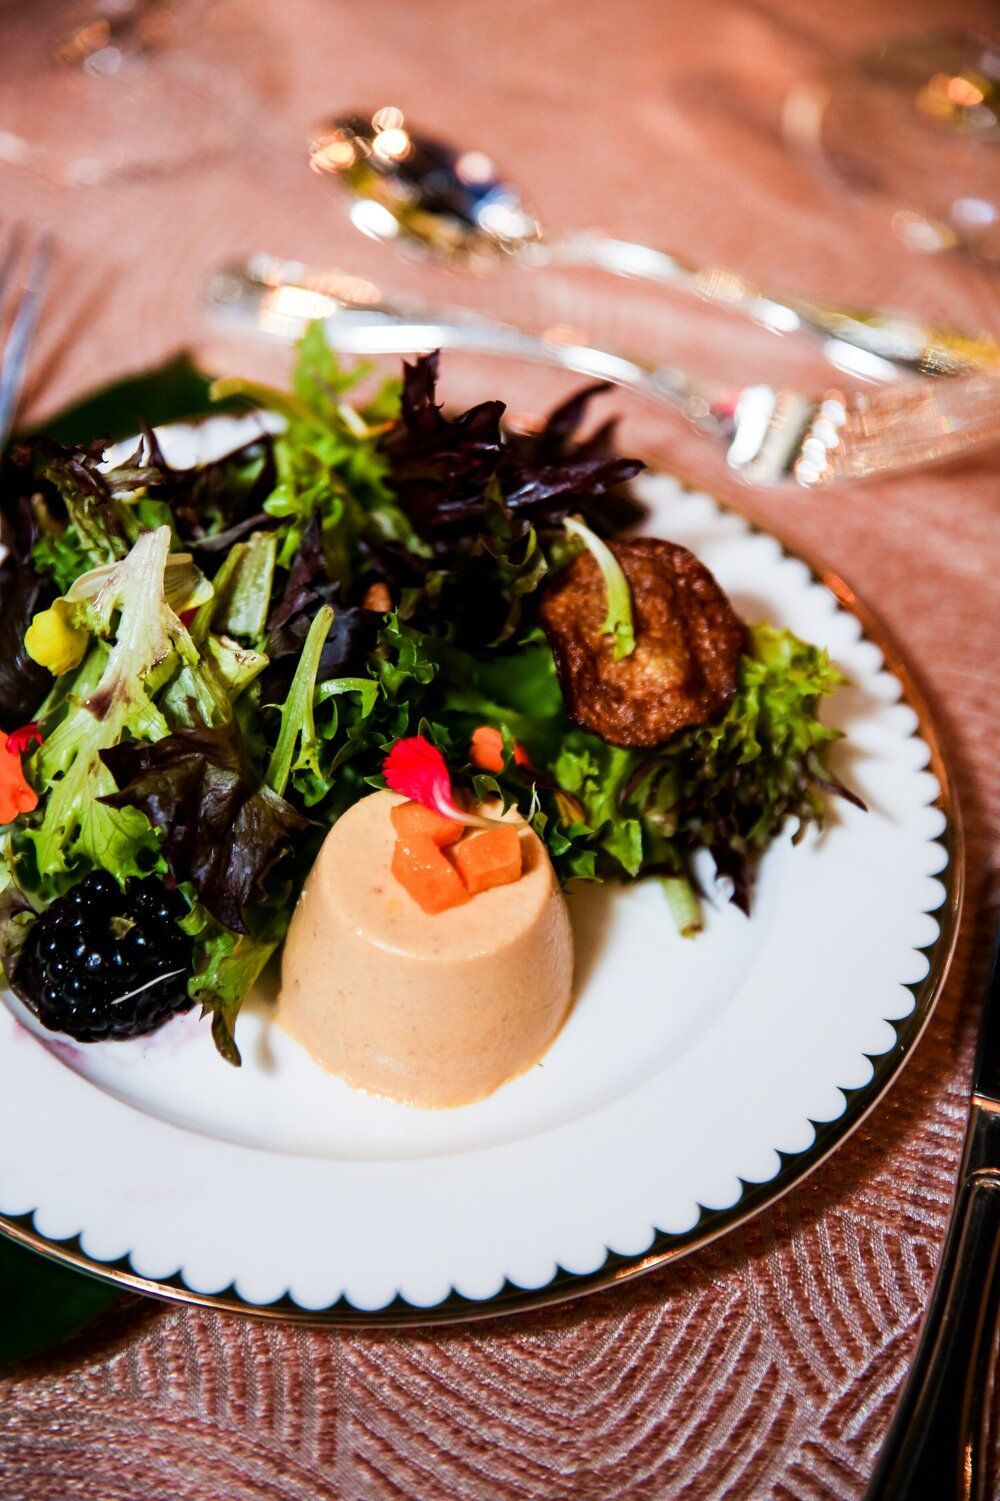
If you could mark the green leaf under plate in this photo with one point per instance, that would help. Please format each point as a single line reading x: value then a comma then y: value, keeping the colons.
x: 42, y: 1303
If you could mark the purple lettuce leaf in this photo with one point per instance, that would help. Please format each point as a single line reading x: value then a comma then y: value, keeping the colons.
x: 223, y: 829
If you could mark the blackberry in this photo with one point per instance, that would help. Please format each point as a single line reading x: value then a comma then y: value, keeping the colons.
x: 106, y: 963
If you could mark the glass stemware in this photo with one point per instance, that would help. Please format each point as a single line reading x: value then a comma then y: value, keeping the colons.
x: 916, y: 121
x: 92, y: 90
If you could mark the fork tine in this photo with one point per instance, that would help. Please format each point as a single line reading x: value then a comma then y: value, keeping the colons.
x: 906, y: 428
x: 15, y: 356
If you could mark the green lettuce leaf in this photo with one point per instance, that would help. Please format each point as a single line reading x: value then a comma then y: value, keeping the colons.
x: 242, y: 599
x: 618, y: 622
x: 98, y: 527
x: 77, y: 831
x: 226, y: 967
x: 139, y: 641
x: 329, y: 460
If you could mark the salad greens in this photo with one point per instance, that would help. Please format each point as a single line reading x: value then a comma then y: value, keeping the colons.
x: 219, y: 658
x: 618, y: 623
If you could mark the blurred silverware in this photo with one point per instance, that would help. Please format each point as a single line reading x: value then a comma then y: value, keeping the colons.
x: 771, y: 435
x: 455, y: 205
x: 938, y: 1444
x: 24, y: 273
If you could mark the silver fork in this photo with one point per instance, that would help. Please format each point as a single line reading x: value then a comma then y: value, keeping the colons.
x: 24, y: 272
x: 771, y: 435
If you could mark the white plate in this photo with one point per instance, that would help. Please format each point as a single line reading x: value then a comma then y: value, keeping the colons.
x: 693, y: 1081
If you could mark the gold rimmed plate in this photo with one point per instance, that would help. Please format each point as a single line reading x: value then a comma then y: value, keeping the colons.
x: 694, y: 1084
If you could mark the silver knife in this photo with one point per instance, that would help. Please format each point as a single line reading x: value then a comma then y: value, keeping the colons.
x: 938, y: 1443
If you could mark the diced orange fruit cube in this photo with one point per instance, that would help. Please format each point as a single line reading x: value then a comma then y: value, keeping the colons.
x: 492, y: 858
x: 421, y: 867
x: 414, y: 821
x: 486, y: 750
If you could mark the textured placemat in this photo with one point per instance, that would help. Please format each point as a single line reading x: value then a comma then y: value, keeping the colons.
x: 767, y: 1365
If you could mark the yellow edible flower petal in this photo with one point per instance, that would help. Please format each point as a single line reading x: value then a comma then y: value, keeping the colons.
x: 53, y: 642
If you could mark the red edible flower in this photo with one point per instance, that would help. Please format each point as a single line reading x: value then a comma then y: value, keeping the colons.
x: 416, y: 769
x: 18, y: 741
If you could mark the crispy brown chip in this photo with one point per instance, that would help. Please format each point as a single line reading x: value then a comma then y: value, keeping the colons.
x: 688, y: 642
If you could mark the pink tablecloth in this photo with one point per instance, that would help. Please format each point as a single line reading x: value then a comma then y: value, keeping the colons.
x: 767, y: 1365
